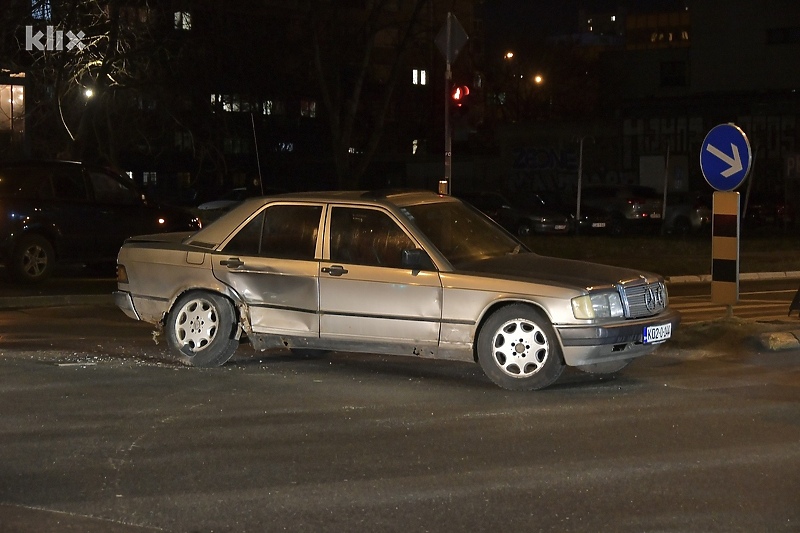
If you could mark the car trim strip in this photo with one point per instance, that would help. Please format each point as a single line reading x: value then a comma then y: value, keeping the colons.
x: 359, y: 315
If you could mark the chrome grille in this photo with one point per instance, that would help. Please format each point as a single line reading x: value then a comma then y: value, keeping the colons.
x: 645, y: 299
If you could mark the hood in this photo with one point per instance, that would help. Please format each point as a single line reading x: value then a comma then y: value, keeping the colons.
x: 532, y: 267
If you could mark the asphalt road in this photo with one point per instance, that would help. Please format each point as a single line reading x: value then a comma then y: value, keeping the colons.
x: 102, y: 432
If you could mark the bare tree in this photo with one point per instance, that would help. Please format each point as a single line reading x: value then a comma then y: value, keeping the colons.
x: 356, y: 82
x: 89, y: 61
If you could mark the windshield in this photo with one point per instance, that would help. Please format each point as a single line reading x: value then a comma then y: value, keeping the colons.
x: 460, y: 232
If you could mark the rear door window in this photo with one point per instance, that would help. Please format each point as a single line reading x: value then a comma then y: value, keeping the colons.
x: 109, y: 190
x: 69, y: 185
x: 280, y: 231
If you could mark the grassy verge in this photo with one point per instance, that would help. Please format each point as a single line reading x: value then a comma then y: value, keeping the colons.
x: 672, y: 256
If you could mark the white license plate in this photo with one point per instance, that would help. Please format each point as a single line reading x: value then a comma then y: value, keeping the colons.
x: 656, y: 334
x: 598, y: 224
x: 559, y: 227
x: 655, y: 215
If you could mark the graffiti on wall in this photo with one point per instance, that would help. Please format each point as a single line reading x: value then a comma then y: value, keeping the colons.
x: 550, y: 169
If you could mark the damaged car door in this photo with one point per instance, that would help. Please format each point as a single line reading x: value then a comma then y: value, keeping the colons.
x: 271, y: 263
x: 377, y: 286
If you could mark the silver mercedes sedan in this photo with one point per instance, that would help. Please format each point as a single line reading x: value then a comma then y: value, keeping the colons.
x: 408, y: 273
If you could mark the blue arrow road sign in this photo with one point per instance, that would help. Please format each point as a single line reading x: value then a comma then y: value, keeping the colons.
x: 725, y: 157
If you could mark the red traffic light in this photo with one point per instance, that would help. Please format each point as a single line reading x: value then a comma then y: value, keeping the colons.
x: 459, y: 94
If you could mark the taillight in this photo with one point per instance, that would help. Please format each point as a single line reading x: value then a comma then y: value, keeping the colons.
x: 122, y: 274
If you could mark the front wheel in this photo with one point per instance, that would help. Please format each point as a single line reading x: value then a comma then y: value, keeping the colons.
x: 33, y: 259
x: 518, y: 349
x: 201, y: 329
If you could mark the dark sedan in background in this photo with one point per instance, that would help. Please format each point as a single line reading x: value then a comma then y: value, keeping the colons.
x: 69, y: 212
x: 521, y: 219
x: 538, y: 214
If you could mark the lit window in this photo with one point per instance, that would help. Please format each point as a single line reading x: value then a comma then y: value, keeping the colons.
x: 308, y: 108
x: 235, y: 145
x: 149, y: 178
x: 183, y: 20
x: 419, y: 77
x: 40, y: 9
x: 183, y: 140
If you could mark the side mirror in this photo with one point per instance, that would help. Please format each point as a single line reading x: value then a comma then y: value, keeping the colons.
x: 416, y: 259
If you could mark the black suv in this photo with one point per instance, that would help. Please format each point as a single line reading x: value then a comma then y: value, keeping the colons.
x: 73, y: 213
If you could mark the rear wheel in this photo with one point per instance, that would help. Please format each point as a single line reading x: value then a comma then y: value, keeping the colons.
x: 33, y: 259
x: 201, y: 329
x: 518, y: 349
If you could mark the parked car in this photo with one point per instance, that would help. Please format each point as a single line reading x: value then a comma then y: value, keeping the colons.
x: 406, y: 273
x: 227, y: 200
x: 688, y: 213
x: 630, y: 207
x: 766, y: 211
x: 68, y: 212
x: 592, y: 221
x: 527, y: 218
x: 215, y: 208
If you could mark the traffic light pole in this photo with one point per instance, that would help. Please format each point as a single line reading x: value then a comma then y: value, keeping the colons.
x: 449, y: 41
x: 445, y: 184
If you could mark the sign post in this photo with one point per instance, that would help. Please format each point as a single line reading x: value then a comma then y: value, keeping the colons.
x: 450, y: 40
x: 725, y: 159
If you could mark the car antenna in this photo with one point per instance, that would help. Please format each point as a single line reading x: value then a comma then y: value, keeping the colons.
x: 258, y: 159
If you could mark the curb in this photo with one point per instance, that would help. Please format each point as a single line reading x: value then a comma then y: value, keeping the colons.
x: 780, y: 340
x: 706, y: 278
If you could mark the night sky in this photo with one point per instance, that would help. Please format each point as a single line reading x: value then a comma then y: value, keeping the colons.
x: 513, y: 21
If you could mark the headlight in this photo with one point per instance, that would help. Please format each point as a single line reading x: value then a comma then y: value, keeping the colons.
x: 597, y: 305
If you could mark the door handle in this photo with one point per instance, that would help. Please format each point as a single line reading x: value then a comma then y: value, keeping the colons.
x: 335, y: 270
x: 233, y: 262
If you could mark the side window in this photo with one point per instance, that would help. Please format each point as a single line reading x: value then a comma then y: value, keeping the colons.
x: 367, y: 237
x: 280, y: 231
x: 108, y: 190
x: 25, y: 182
x: 69, y: 186
x: 290, y: 231
x: 248, y: 240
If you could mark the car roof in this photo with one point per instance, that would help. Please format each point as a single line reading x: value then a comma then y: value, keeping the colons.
x: 222, y: 227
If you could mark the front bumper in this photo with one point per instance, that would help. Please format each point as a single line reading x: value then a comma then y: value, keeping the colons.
x: 583, y: 345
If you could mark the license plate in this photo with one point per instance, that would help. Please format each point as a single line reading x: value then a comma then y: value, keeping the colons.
x: 560, y: 226
x: 656, y: 334
x: 598, y: 224
x: 655, y: 215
